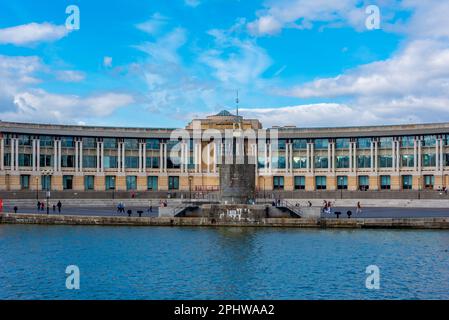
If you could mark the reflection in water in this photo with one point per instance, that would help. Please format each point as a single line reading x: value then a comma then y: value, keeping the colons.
x: 221, y: 263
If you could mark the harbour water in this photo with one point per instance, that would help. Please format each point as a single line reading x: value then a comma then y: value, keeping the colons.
x: 221, y: 263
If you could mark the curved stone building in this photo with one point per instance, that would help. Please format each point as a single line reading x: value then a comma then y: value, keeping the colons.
x: 70, y: 157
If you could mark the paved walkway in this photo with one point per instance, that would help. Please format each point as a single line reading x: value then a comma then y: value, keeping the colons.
x: 88, y: 211
x: 366, y: 212
x: 389, y: 212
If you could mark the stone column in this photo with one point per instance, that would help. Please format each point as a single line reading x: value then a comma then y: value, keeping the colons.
x: 98, y: 156
x: 81, y: 155
x: 76, y: 155
x: 376, y: 157
x: 415, y: 155
x: 372, y: 156
x: 2, y: 153
x: 333, y: 156
x: 312, y: 157
x: 398, y: 155
x: 144, y: 157
x: 354, y: 161
x: 38, y: 155
x: 140, y: 157
x: 419, y: 155
x: 437, y: 155
x: 161, y: 156
x: 308, y: 157
x: 55, y: 155
x: 12, y: 157
x: 350, y: 157
x: 17, y: 155
x: 33, y: 148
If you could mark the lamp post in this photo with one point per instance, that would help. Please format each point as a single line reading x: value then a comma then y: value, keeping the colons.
x: 190, y: 187
x: 37, y: 188
x: 45, y: 174
x: 340, y: 185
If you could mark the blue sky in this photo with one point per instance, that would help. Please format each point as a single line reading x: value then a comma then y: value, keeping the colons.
x: 160, y: 63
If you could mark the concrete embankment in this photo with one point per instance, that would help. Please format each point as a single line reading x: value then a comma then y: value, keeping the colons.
x: 387, y: 223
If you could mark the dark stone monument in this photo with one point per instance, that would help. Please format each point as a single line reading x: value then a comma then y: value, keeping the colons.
x: 238, y: 178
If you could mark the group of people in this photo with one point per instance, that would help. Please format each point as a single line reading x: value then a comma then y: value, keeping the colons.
x: 41, y: 206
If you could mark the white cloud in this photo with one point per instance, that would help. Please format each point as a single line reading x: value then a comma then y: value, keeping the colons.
x: 154, y: 24
x: 32, y: 33
x: 70, y: 75
x: 165, y: 48
x: 234, y: 60
x: 107, y: 62
x: 22, y: 100
x: 279, y: 14
x: 192, y: 3
x: 42, y: 106
x: 422, y: 67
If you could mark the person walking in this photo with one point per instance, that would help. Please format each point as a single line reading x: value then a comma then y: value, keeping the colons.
x: 38, y: 205
x: 42, y: 206
x: 15, y: 209
x: 59, y: 205
x: 359, y: 208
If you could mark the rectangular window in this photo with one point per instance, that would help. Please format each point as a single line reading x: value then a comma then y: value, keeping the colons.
x: 385, y: 161
x: 342, y: 182
x: 407, y: 142
x: 110, y: 162
x: 299, y: 144
x: 281, y: 162
x: 67, y: 142
x: 364, y: 143
x: 446, y: 159
x: 342, y: 161
x: 67, y: 182
x: 24, y: 140
x: 153, y: 144
x: 110, y: 143
x: 131, y: 162
x: 320, y: 143
x: 110, y: 182
x: 363, y: 161
x: 89, y: 182
x: 46, y: 141
x: 363, y: 183
x: 261, y: 162
x: 152, y: 183
x: 46, y: 182
x: 299, y: 162
x: 428, y: 160
x: 7, y: 159
x: 300, y: 183
x: 320, y: 182
x: 152, y: 162
x: 24, y: 160
x: 46, y: 160
x: 429, y: 141
x: 385, y: 182
x: 407, y: 182
x: 281, y: 144
x: 429, y: 181
x: 131, y: 144
x: 24, y: 182
x: 131, y: 182
x: 67, y: 161
x: 89, y: 161
x: 173, y: 183
x: 321, y: 162
x: 89, y: 143
x: 385, y: 142
x: 407, y: 160
x: 278, y: 183
x: 342, y: 143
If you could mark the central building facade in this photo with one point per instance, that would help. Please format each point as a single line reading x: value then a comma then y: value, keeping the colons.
x: 85, y: 158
